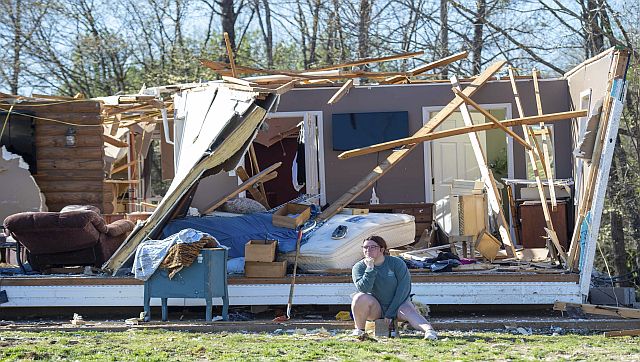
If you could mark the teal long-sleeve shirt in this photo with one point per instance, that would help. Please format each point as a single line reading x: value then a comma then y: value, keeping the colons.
x: 389, y: 283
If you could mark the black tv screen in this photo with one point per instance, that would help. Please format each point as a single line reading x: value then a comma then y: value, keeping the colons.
x: 357, y: 130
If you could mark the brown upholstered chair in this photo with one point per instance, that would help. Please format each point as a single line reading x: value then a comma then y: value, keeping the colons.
x: 76, y: 238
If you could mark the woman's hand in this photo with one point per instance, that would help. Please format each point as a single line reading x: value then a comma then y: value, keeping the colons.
x: 369, y: 263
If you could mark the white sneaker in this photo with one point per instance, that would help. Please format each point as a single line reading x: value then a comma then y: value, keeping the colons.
x: 431, y: 335
x: 357, y: 332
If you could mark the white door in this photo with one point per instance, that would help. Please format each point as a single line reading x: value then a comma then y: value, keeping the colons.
x: 452, y: 157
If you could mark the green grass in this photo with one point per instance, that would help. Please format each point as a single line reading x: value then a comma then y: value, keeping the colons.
x: 159, y: 345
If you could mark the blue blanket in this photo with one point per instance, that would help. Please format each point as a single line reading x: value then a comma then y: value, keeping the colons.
x: 235, y: 232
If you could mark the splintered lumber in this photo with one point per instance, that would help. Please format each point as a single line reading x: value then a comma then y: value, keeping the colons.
x: 257, y: 195
x: 439, y: 63
x: 551, y: 117
x: 629, y: 313
x: 534, y: 166
x: 220, y: 67
x: 256, y: 169
x: 371, y: 60
x: 341, y: 92
x: 229, y: 146
x: 114, y: 141
x: 243, y: 187
x: 423, y: 68
x: 625, y: 333
x: 395, y: 157
x: 487, y: 176
x: 545, y: 144
x: 232, y: 62
x: 490, y: 117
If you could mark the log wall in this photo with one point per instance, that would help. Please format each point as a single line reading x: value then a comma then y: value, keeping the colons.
x: 69, y: 175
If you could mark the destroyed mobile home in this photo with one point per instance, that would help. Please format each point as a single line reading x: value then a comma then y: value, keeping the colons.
x: 490, y: 188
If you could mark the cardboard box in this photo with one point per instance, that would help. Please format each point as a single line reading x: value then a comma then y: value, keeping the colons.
x: 258, y: 269
x: 487, y: 245
x: 291, y: 215
x: 260, y: 250
x: 354, y: 211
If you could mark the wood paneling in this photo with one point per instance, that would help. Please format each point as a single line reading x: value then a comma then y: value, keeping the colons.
x: 68, y: 175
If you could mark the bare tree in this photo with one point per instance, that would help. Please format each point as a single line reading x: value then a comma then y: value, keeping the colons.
x: 18, y: 21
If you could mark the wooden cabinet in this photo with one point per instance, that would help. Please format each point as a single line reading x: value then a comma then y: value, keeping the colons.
x: 532, y: 224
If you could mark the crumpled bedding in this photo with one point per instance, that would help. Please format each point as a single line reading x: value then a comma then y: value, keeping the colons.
x: 235, y: 232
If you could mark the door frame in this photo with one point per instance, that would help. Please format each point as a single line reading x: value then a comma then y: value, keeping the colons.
x: 314, y: 151
x: 427, y: 146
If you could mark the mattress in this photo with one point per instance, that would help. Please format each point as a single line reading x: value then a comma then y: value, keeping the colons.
x: 321, y: 252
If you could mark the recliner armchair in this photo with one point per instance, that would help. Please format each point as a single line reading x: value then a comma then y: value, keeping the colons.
x: 75, y: 238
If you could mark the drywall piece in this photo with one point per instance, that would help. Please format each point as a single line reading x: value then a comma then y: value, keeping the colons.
x: 19, y: 191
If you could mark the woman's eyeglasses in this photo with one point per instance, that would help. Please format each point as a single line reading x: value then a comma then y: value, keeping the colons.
x: 370, y: 247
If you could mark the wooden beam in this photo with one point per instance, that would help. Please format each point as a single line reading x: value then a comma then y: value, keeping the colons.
x: 371, y: 60
x: 630, y: 313
x: 534, y: 165
x: 121, y: 168
x: 487, y: 175
x: 395, y: 157
x: 551, y: 117
x: 625, y: 333
x: 341, y: 92
x: 257, y: 195
x: 545, y: 143
x: 114, y: 141
x: 243, y: 187
x: 232, y: 62
x: 439, y: 63
x: 256, y: 169
x: 490, y: 117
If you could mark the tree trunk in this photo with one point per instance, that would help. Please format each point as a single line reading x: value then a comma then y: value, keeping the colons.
x: 14, y: 83
x: 478, y: 39
x: 595, y: 38
x: 363, y: 28
x: 269, y: 35
x: 228, y: 19
x: 443, y: 45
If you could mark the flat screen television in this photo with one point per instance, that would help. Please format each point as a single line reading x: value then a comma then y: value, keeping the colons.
x: 357, y: 130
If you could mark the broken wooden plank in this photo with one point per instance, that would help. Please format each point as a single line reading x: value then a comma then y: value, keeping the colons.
x: 114, y: 141
x: 257, y: 195
x: 371, y: 60
x: 341, y: 92
x: 256, y: 169
x: 395, y: 157
x: 243, y: 187
x: 556, y: 242
x: 534, y: 165
x: 232, y: 62
x: 438, y: 63
x: 238, y: 81
x: 551, y: 117
x: 485, y: 172
x: 491, y: 118
x: 545, y: 144
x: 629, y: 313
